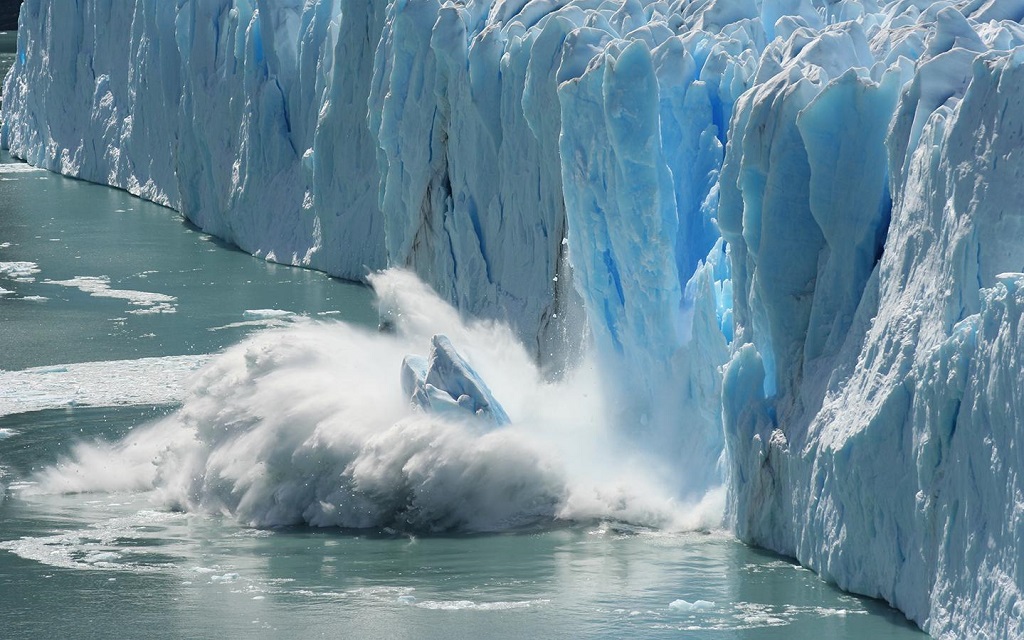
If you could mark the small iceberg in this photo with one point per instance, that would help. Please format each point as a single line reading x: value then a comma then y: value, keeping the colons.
x: 445, y: 383
x: 690, y: 607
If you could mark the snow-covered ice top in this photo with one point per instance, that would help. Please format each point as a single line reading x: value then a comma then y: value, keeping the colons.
x: 790, y: 228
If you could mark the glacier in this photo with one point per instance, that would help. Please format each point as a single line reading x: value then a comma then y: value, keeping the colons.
x: 788, y: 230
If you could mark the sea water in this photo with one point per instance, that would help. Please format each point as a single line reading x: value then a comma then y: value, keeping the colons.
x: 8, y: 52
x: 111, y: 306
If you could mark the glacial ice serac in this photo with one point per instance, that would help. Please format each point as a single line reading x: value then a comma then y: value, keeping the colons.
x: 794, y: 227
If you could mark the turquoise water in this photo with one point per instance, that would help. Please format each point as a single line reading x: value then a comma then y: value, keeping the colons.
x: 8, y: 47
x: 80, y: 235
x: 6, y: 62
x: 92, y: 275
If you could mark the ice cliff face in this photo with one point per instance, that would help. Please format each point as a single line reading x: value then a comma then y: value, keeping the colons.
x: 794, y: 228
x: 888, y: 460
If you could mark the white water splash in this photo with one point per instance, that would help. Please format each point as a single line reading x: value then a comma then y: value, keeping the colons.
x: 308, y: 425
x: 17, y: 167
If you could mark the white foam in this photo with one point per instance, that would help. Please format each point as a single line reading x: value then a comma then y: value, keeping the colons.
x: 380, y: 592
x: 308, y: 424
x: 469, y: 605
x: 739, y: 616
x: 7, y: 433
x: 99, y: 287
x: 5, y: 292
x: 110, y: 545
x: 98, y: 384
x: 268, y: 313
x: 264, y: 324
x: 18, y: 167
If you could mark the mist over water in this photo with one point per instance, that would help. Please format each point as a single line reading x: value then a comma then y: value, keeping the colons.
x: 309, y: 425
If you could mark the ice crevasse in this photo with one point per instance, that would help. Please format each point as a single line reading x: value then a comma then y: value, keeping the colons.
x: 792, y: 229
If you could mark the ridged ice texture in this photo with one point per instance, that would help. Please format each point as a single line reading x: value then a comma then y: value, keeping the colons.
x: 872, y: 416
x: 829, y: 192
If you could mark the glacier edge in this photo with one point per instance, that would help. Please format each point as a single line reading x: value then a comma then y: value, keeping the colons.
x: 791, y: 230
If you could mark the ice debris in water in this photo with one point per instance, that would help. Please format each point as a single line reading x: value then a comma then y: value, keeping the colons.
x: 446, y: 383
x: 689, y: 607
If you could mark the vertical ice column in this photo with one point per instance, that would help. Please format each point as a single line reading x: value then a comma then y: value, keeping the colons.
x: 897, y: 480
x: 471, y: 195
x: 97, y: 120
x: 345, y: 175
x: 634, y: 246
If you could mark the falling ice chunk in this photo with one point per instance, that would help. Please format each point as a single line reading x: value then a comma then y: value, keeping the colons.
x: 447, y: 383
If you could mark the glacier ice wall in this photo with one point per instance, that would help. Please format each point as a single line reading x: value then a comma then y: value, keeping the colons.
x: 904, y: 442
x: 790, y: 228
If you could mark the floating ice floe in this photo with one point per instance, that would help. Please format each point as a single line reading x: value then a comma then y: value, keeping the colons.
x: 19, y: 271
x: 696, y: 605
x: 267, y: 313
x: 111, y: 383
x: 99, y: 287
